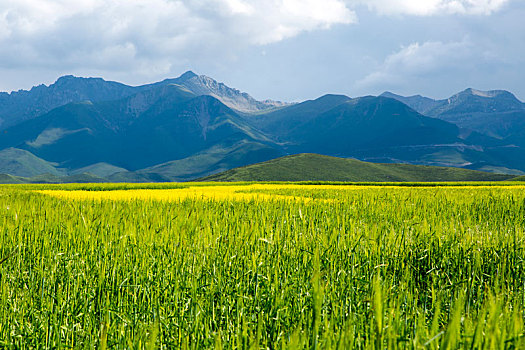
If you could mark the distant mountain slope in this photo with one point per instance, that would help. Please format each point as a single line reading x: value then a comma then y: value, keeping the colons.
x: 185, y: 130
x: 193, y: 126
x: 19, y: 162
x: 496, y: 113
x: 73, y: 135
x: 18, y: 106
x: 219, y: 158
x: 418, y: 103
x: 363, y: 123
x: 314, y: 167
x: 159, y: 125
x: 51, y: 179
x: 470, y: 100
x: 169, y: 128
x: 99, y: 169
x: 377, y: 129
x: 233, y: 98
x: 216, y: 159
x: 22, y: 105
x: 10, y: 179
x: 280, y: 122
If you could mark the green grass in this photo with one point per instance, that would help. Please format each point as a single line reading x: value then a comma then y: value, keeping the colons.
x: 314, y: 167
x: 375, y: 267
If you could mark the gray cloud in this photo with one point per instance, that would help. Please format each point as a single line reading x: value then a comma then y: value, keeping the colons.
x: 150, y: 36
x: 310, y: 46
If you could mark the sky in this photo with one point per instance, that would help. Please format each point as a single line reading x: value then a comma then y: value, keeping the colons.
x: 289, y: 50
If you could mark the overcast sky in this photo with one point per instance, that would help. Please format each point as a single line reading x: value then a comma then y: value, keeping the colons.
x: 281, y: 49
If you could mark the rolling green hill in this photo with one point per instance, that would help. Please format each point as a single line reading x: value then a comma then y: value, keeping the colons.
x: 219, y: 158
x: 314, y: 167
x: 10, y: 179
x: 100, y: 169
x: 51, y: 179
x: 18, y: 162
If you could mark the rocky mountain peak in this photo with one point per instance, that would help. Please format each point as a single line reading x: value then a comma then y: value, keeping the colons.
x: 233, y: 98
x: 488, y: 94
x: 188, y: 75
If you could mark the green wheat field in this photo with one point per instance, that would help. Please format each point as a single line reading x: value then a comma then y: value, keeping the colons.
x: 420, y: 266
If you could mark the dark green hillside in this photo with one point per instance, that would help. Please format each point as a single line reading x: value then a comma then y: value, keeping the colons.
x: 335, y: 123
x: 314, y: 167
x: 279, y: 123
x: 471, y: 100
x: 418, y: 103
x: 18, y: 162
x: 10, y: 179
x: 495, y: 113
x: 381, y: 129
x: 51, y: 179
x: 150, y: 128
x: 23, y: 105
x: 184, y: 130
x: 375, y: 128
x: 216, y: 159
x: 100, y: 169
x: 192, y: 126
x: 368, y: 123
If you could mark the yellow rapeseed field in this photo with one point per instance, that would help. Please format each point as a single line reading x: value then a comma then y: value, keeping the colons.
x: 259, y: 192
x: 241, y: 192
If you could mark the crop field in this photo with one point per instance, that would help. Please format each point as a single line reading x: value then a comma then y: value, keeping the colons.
x: 262, y: 266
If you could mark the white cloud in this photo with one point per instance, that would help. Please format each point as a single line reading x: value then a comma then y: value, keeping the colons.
x: 432, y: 7
x: 150, y: 35
x: 138, y: 41
x: 268, y: 21
x: 420, y: 61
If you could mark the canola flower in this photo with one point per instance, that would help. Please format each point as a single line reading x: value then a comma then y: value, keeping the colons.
x: 254, y: 192
x: 242, y: 193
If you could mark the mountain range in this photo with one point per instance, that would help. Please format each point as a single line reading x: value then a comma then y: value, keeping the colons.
x: 496, y: 113
x: 193, y: 126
